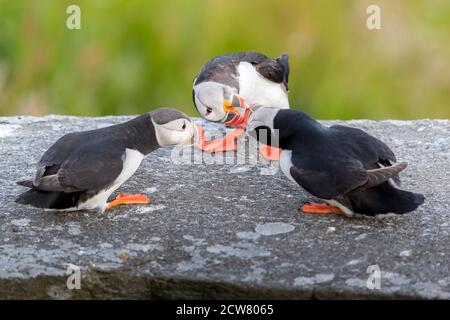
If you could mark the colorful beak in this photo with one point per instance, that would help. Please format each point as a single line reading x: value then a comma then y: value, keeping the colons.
x: 228, y: 106
x: 236, y: 102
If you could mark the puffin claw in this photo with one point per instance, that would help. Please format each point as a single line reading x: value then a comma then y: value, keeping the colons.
x: 125, y: 198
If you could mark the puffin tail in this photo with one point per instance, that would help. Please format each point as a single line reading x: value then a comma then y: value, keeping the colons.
x: 385, y: 199
x: 47, y: 199
x: 406, y: 201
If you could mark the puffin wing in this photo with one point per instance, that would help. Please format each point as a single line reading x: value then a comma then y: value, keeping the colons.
x: 91, y: 171
x: 55, y: 155
x: 372, y: 152
x: 342, y: 177
x: 276, y: 70
x: 378, y: 176
x: 334, y: 181
x: 48, y: 183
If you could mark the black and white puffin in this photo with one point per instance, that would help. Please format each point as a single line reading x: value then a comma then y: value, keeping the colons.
x: 353, y: 171
x: 229, y: 84
x: 82, y: 169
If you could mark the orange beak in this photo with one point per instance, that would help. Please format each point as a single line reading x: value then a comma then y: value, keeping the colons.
x: 228, y: 106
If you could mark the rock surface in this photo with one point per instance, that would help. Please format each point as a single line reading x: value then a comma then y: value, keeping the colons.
x: 224, y: 230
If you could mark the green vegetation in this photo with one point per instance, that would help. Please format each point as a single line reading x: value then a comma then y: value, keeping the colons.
x: 132, y: 56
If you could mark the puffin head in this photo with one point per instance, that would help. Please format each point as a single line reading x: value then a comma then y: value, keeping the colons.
x: 172, y: 127
x: 213, y: 100
x: 261, y: 125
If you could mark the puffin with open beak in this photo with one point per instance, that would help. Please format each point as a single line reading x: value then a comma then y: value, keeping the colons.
x: 82, y: 169
x: 351, y: 170
x: 229, y: 85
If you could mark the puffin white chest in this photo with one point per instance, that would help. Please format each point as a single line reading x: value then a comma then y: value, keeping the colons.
x: 132, y: 161
x: 256, y: 89
x: 286, y: 164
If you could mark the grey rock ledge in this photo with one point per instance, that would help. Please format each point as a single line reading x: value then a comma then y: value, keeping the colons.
x: 223, y: 231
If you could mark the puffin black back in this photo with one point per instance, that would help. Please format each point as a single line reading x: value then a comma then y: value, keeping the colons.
x: 297, y: 128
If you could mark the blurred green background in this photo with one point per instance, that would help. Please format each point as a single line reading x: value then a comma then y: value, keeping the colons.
x: 133, y: 56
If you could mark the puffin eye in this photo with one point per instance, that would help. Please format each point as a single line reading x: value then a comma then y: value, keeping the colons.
x: 183, y: 126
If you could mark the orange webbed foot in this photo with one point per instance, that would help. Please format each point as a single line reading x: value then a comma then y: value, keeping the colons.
x: 227, y: 143
x: 321, y: 208
x: 129, y: 199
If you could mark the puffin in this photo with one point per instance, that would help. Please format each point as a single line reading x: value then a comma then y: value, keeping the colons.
x: 82, y: 169
x: 229, y: 85
x: 351, y: 170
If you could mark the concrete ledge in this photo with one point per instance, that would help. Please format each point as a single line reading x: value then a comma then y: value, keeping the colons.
x: 224, y: 231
